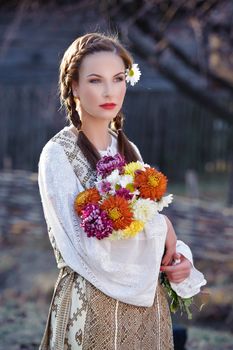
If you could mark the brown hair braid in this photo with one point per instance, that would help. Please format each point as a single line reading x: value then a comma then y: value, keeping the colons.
x: 69, y: 68
x: 124, y: 146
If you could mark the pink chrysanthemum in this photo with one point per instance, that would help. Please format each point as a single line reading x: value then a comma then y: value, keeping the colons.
x: 107, y: 164
x: 123, y: 192
x: 95, y: 222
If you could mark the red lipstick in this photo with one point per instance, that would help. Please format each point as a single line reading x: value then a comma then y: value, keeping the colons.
x: 108, y: 105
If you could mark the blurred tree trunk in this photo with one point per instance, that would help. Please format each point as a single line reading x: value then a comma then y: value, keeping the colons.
x: 230, y: 188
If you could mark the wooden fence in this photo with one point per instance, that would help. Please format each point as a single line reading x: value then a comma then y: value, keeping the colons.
x: 171, y: 131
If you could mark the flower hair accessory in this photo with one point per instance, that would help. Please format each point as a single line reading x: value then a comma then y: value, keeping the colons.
x: 133, y: 74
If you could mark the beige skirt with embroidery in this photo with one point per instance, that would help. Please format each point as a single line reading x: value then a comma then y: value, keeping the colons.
x: 81, y: 317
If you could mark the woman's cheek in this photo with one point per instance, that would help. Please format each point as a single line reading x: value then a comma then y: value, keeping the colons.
x: 123, y: 92
x: 90, y: 97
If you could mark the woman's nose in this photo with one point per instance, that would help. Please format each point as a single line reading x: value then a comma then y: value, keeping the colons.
x: 107, y: 91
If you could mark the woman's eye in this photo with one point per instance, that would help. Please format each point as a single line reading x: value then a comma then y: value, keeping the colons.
x: 94, y: 80
x: 120, y: 78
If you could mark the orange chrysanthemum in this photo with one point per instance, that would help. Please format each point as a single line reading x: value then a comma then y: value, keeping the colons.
x: 90, y: 196
x: 151, y: 183
x: 118, y: 211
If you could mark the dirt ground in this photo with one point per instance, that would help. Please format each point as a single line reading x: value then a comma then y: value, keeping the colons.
x: 28, y: 269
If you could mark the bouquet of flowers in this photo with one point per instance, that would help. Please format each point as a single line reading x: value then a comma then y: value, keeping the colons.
x: 124, y: 198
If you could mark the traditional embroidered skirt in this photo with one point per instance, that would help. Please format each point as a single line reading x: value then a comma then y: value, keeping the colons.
x: 81, y: 317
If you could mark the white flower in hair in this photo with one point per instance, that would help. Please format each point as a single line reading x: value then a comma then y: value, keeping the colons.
x: 133, y: 74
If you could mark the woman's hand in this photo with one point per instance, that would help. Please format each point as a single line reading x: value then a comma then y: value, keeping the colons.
x: 180, y: 271
x: 170, y: 244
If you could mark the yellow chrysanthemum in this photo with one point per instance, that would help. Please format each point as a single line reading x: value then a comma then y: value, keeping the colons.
x: 135, y: 227
x: 130, y: 168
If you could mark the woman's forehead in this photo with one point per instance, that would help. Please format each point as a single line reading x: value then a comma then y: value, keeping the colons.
x: 102, y: 63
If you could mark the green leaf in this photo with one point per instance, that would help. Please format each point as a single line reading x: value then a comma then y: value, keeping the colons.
x: 176, y: 301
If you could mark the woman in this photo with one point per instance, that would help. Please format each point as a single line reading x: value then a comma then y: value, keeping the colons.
x: 107, y: 295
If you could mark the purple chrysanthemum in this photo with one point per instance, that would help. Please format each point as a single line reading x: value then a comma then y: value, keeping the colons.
x: 109, y: 163
x: 95, y: 222
x: 123, y: 192
x: 104, y: 186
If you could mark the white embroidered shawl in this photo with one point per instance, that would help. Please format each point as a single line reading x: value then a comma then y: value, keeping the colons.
x: 126, y: 270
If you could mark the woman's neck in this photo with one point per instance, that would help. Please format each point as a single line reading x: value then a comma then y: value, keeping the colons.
x: 97, y: 131
x: 99, y: 136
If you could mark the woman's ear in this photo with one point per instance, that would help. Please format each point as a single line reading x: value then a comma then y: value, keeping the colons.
x: 75, y: 88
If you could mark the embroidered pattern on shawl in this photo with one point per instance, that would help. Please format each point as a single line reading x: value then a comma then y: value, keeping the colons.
x: 82, y: 170
x: 76, y: 158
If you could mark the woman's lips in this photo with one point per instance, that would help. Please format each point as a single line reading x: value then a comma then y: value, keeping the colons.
x: 108, y: 105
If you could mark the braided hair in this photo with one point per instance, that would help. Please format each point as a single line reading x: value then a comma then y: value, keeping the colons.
x: 69, y: 68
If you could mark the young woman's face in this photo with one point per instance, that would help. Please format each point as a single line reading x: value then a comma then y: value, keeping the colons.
x: 101, y: 81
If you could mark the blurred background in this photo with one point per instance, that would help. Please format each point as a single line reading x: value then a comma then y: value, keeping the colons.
x: 180, y: 115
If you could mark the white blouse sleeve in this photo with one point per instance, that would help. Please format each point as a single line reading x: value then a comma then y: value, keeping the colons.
x: 192, y: 284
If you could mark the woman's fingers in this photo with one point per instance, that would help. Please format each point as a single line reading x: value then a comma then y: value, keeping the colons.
x: 176, y: 256
x: 179, y: 272
x: 168, y: 257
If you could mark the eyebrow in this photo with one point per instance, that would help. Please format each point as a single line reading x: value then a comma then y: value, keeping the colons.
x: 97, y: 75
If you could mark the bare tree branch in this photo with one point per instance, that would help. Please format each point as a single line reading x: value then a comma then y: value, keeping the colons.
x: 206, y: 7
x: 170, y: 14
x: 151, y: 29
x: 146, y: 48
